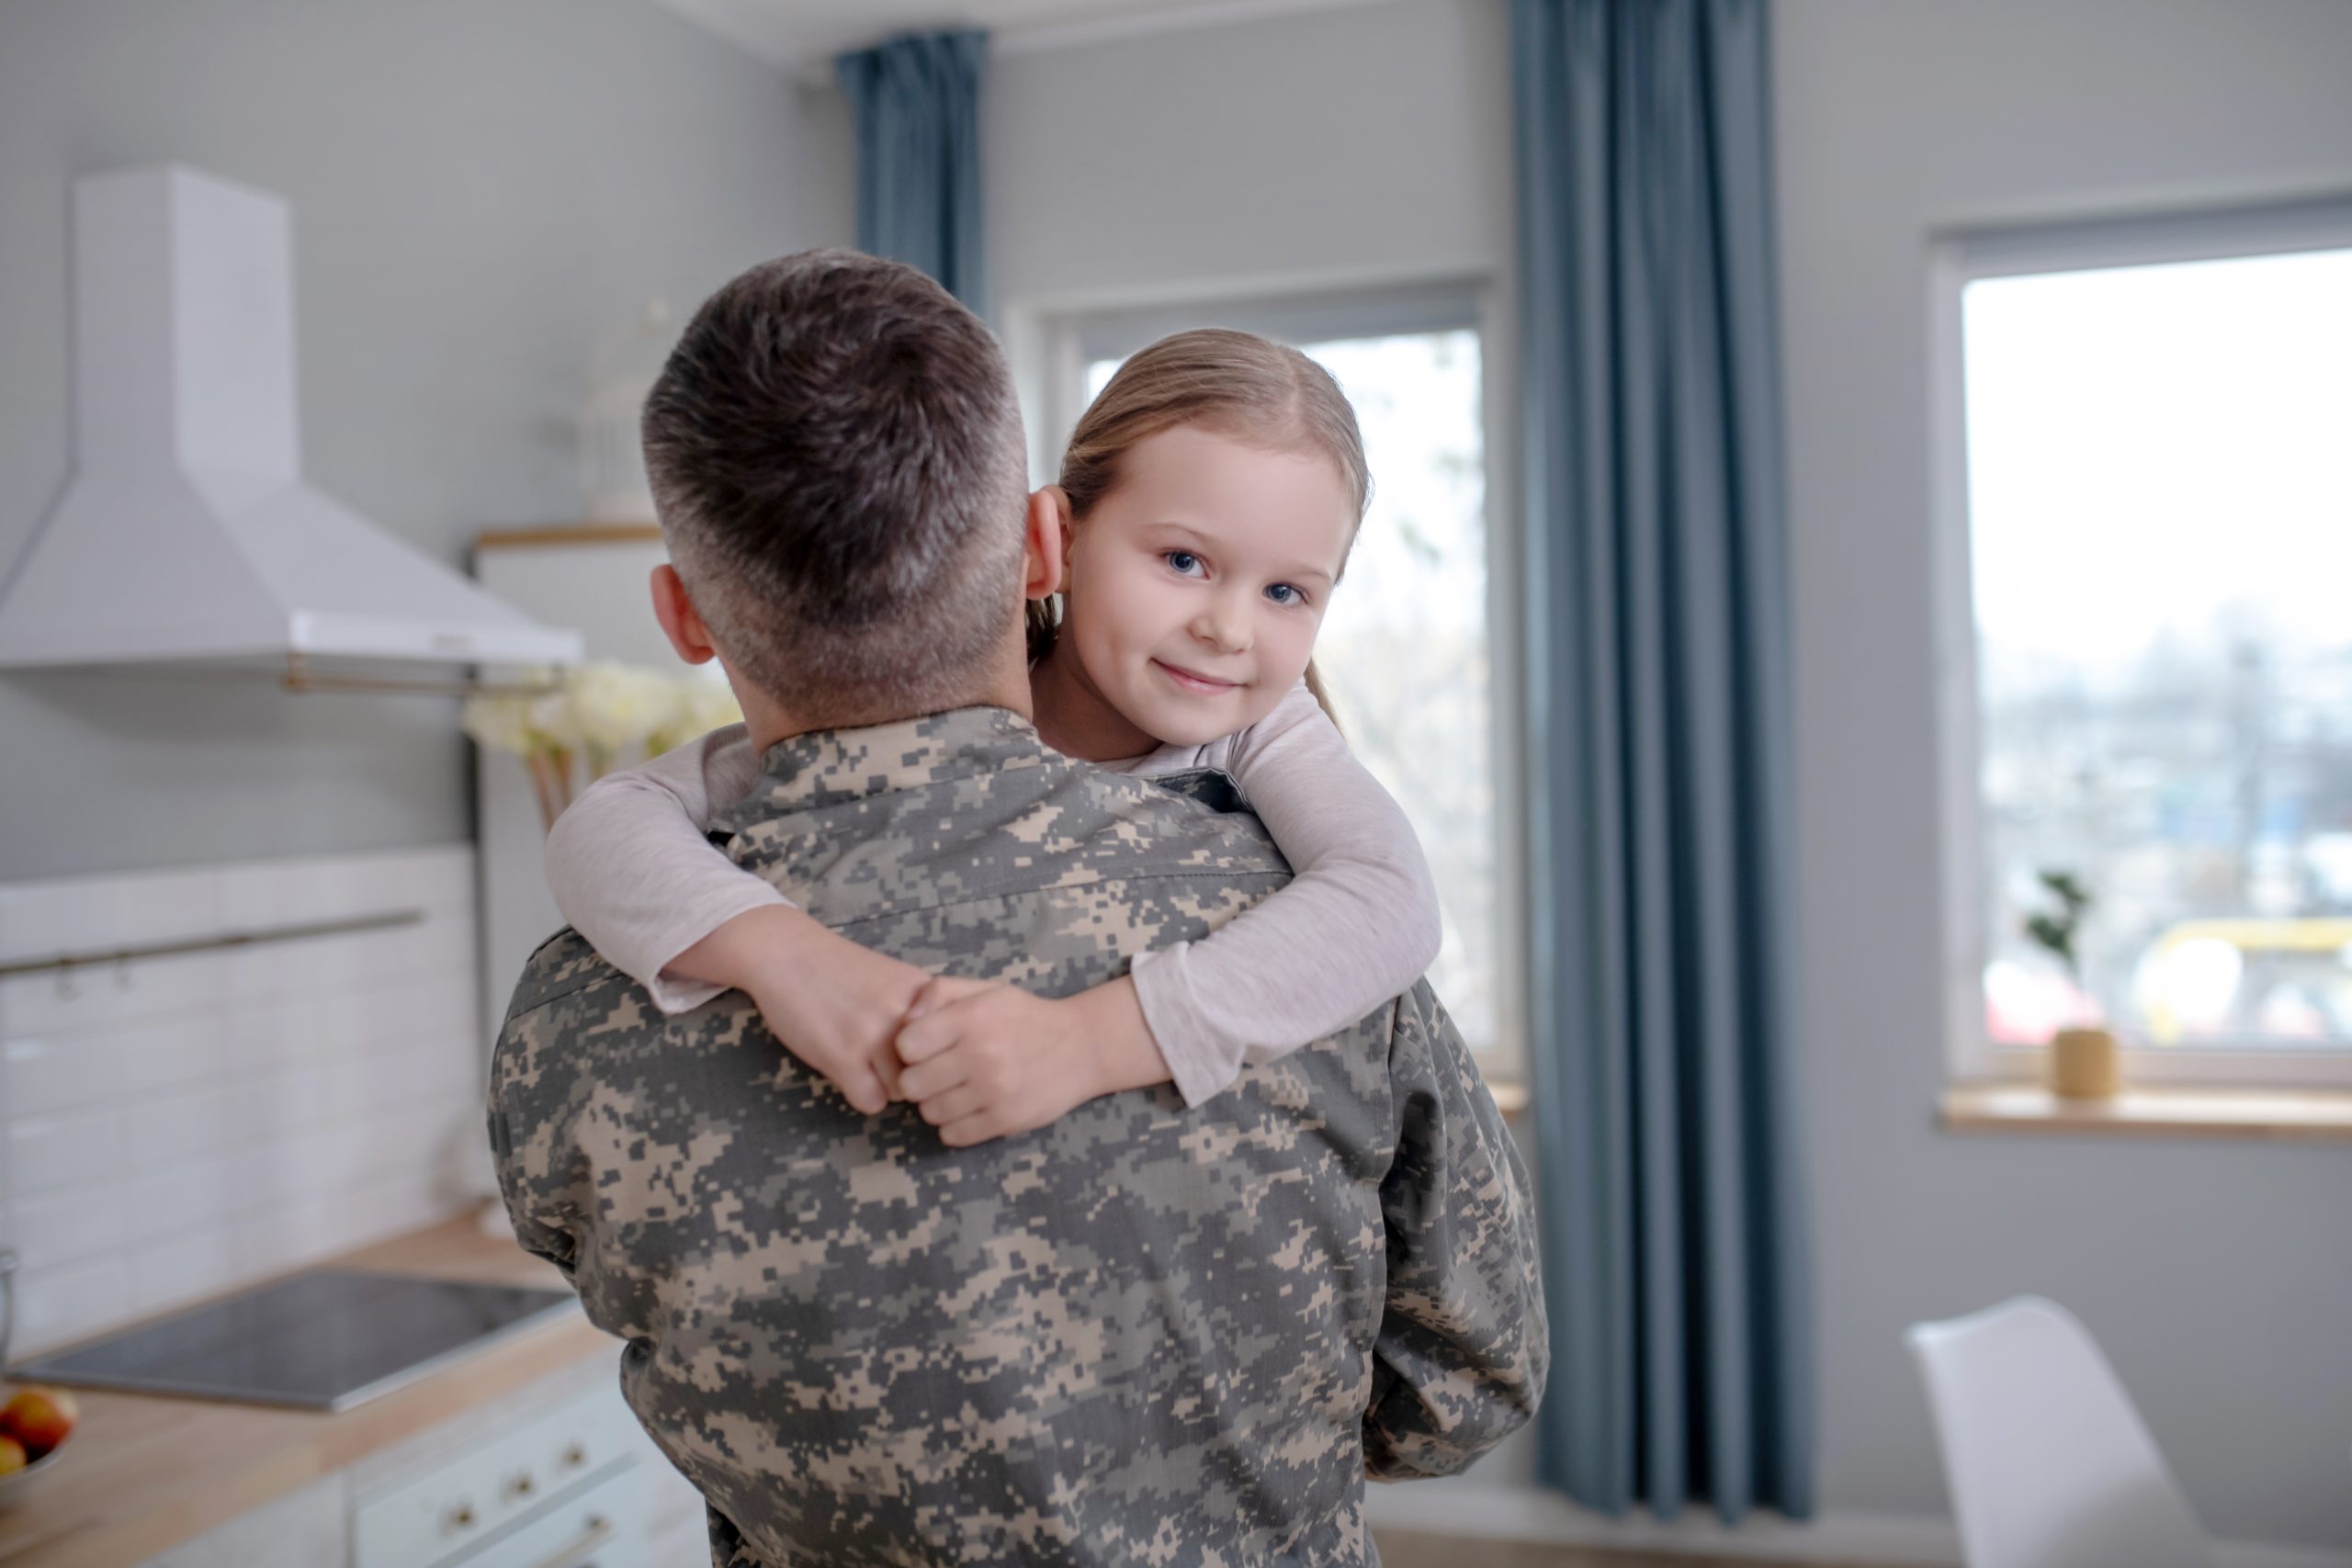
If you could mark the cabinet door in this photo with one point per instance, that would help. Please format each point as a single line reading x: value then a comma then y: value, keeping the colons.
x: 305, y: 1529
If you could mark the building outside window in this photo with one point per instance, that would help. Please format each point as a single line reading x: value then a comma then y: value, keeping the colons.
x: 2154, y: 486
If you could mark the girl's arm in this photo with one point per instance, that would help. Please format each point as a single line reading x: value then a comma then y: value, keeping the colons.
x: 632, y: 872
x: 1356, y: 926
x: 631, y: 869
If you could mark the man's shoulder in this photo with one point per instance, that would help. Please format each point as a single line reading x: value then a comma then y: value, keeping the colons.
x: 1045, y: 831
x: 1188, y: 823
x: 566, y: 974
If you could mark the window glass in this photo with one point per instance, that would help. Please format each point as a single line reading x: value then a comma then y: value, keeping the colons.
x: 2160, y: 515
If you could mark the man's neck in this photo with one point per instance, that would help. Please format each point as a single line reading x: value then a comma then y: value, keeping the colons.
x: 771, y: 721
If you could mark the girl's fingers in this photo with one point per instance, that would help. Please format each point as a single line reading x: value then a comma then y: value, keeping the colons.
x: 936, y: 1077
x: 927, y: 996
x: 926, y: 1037
x: 952, y: 1106
x: 941, y: 990
x: 863, y: 1089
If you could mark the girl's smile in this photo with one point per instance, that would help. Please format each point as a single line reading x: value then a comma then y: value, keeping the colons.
x: 1192, y: 682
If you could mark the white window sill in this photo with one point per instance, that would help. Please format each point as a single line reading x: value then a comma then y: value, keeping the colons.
x: 2177, y: 1111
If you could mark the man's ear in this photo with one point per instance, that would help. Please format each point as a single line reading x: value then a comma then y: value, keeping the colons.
x: 1046, y: 549
x: 681, y: 623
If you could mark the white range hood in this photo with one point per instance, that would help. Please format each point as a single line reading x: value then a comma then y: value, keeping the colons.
x: 186, y: 534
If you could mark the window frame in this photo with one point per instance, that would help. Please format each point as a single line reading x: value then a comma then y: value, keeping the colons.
x: 1957, y: 259
x: 1050, y: 346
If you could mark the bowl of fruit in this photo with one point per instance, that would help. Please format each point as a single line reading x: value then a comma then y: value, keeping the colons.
x: 34, y: 1422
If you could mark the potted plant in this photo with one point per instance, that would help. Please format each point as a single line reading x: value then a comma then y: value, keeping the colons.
x: 2084, y: 1062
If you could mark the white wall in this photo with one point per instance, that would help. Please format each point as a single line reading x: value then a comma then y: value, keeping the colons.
x: 480, y: 188
x: 2218, y: 1275
x: 1371, y: 140
x: 1374, y: 140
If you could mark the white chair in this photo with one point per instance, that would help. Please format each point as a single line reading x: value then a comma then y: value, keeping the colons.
x: 2049, y: 1463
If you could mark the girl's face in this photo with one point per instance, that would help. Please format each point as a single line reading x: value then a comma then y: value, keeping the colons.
x: 1198, y: 583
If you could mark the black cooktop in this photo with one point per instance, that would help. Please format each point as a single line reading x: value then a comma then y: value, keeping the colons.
x: 324, y: 1340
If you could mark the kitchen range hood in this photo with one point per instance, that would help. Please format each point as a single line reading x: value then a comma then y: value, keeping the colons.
x: 185, y: 536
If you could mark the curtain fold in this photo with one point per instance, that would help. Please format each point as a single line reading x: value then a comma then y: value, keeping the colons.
x: 916, y: 105
x: 1678, y: 1268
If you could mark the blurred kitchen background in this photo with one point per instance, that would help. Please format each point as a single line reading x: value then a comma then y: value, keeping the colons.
x: 2040, y: 367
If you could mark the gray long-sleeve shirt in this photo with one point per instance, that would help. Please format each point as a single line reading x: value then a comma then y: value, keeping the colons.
x: 1140, y: 1335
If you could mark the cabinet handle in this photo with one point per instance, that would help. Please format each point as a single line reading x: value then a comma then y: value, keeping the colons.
x: 460, y: 1518
x: 599, y: 1531
x: 574, y: 1456
x: 519, y: 1485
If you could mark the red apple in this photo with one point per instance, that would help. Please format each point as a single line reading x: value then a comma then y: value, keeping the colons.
x: 40, y: 1418
x: 12, y: 1456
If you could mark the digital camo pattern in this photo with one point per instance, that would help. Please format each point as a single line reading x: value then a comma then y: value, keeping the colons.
x: 1143, y: 1335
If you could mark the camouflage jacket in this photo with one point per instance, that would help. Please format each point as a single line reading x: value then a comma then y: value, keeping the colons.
x: 1143, y: 1335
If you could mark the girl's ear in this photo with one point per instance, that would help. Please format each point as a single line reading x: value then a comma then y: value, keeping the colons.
x: 1045, y: 550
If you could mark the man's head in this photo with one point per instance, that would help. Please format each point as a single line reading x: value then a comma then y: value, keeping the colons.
x: 836, y: 457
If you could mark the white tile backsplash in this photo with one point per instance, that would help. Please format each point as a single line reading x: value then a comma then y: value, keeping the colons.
x: 73, y: 1149
x: 111, y: 995
x: 175, y: 1127
x: 73, y: 1227
x: 50, y: 1073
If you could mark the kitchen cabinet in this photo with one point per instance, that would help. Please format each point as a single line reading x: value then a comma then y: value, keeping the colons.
x: 566, y: 1482
x: 302, y: 1529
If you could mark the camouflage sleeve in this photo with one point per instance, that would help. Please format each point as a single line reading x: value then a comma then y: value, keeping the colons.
x: 1462, y: 1348
x: 539, y: 1202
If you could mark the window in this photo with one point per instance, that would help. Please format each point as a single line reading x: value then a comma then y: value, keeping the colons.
x: 1409, y: 648
x: 2152, y: 483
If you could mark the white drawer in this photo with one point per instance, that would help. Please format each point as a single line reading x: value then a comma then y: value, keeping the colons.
x: 446, y: 1511
x: 599, y: 1528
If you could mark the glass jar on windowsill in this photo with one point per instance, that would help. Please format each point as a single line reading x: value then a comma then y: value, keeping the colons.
x: 2085, y: 1064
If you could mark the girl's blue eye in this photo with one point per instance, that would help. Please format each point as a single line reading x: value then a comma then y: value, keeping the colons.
x: 1283, y: 593
x: 1181, y: 561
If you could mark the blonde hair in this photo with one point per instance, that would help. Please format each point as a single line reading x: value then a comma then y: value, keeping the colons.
x: 1260, y: 392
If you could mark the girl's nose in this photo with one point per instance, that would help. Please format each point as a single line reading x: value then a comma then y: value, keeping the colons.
x: 1224, y: 628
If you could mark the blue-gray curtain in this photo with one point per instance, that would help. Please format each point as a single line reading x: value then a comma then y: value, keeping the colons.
x: 916, y: 102
x: 1677, y: 1266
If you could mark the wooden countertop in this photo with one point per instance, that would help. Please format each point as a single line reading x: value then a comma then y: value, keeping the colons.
x: 143, y: 1473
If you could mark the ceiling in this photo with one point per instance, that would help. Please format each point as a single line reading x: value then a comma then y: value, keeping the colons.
x: 808, y: 33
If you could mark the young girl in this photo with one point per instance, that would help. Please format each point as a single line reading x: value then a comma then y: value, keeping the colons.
x: 1207, y: 502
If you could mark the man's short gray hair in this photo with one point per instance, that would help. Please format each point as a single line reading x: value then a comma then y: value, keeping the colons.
x: 836, y: 457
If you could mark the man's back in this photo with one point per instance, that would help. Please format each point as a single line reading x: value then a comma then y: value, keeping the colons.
x: 1143, y: 1333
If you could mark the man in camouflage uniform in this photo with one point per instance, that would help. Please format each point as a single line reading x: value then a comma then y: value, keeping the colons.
x: 1141, y: 1334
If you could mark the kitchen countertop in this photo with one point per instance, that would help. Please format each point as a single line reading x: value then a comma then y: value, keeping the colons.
x: 143, y: 1472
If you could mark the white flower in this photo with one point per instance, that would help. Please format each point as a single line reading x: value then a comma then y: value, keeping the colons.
x: 698, y: 704
x: 550, y: 718
x: 498, y: 722
x: 706, y: 705
x: 616, y: 707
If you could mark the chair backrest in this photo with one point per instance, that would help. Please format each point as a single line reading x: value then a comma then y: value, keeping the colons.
x: 2049, y: 1462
